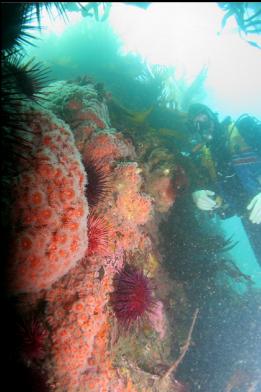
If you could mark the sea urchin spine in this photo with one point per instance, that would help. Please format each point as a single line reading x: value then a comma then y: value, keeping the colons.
x: 98, y: 181
x: 98, y: 235
x: 33, y: 338
x: 132, y: 299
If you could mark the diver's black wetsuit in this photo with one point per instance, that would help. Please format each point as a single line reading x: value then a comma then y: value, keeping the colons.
x: 236, y: 192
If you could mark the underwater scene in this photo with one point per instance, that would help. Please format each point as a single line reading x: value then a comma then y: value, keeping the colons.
x: 131, y: 196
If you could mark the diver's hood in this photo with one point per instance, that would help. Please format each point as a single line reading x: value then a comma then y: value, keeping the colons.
x: 198, y: 108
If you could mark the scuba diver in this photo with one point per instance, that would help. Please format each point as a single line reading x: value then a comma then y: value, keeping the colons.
x: 228, y: 158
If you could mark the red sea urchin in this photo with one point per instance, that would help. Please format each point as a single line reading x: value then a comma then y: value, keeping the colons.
x: 98, y: 181
x: 132, y: 299
x: 98, y: 235
x: 32, y: 340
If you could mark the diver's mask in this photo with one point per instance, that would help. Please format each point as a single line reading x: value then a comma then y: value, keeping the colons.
x: 204, y: 126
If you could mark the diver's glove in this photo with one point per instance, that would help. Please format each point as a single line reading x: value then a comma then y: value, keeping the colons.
x: 255, y: 207
x: 203, y: 200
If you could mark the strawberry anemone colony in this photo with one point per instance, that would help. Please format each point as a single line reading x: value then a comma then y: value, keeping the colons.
x: 79, y: 212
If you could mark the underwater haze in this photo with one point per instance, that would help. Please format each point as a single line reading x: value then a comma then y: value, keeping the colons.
x: 135, y: 217
x: 185, y: 36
